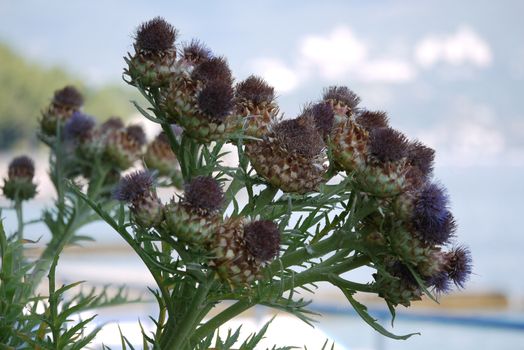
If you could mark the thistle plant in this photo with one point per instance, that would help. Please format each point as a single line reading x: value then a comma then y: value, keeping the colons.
x: 308, y: 199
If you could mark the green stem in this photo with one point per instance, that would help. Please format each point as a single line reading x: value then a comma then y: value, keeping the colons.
x: 178, y: 339
x: 20, y: 219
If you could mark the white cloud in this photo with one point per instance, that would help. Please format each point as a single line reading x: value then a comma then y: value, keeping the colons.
x: 338, y: 56
x: 474, y: 136
x: 464, y: 46
x: 277, y: 74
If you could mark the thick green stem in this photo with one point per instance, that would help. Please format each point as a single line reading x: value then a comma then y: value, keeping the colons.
x: 20, y: 219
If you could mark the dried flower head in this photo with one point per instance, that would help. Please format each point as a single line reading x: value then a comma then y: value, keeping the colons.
x: 21, y: 167
x: 196, y: 52
x: 300, y: 136
x: 79, y: 126
x: 255, y: 90
x: 387, y: 145
x: 155, y: 35
x: 262, y: 239
x: 216, y: 100
x: 431, y: 216
x: 213, y: 69
x: 204, y: 192
x: 459, y: 266
x: 134, y: 186
x: 343, y: 95
x: 371, y: 120
x: 136, y: 133
x: 69, y: 96
x: 422, y: 157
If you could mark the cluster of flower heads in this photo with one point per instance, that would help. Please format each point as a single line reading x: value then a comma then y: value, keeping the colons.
x: 237, y: 247
x: 111, y: 143
x: 408, y: 236
x: 19, y: 184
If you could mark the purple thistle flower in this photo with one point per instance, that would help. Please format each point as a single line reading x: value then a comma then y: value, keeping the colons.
x: 196, y: 52
x: 400, y: 270
x: 300, y: 136
x: 21, y: 167
x: 134, y: 186
x: 255, y: 90
x: 155, y: 35
x: 213, y: 69
x: 371, y: 120
x: 440, y: 282
x: 79, y: 126
x: 387, y: 145
x: 216, y: 100
x: 262, y: 239
x: 204, y: 192
x: 431, y: 216
x: 342, y: 94
x: 458, y: 265
x: 68, y: 96
x: 112, y: 123
x: 422, y: 157
x: 137, y: 133
x: 323, y: 115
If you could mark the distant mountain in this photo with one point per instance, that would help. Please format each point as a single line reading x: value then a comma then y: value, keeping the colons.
x: 26, y: 88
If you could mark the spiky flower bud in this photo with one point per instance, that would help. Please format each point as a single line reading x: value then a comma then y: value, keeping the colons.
x: 255, y: 100
x: 291, y: 156
x: 154, y: 60
x: 137, y: 190
x: 343, y: 100
x: 241, y: 249
x: 196, y: 217
x: 349, y: 145
x: 65, y: 102
x: 397, y: 284
x: 124, y: 146
x: 262, y: 239
x: 160, y: 156
x: 19, y: 183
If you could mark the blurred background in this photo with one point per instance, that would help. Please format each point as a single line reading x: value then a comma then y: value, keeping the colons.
x: 448, y: 73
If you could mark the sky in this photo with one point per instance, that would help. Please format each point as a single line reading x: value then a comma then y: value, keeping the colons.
x: 450, y: 73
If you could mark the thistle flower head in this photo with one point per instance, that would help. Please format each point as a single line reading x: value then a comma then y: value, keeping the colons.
x: 387, y: 145
x: 323, y: 115
x: 155, y: 35
x: 213, y: 69
x: 69, y: 96
x: 204, y: 192
x: 136, y: 133
x: 440, y: 282
x: 300, y: 136
x: 421, y: 156
x: 134, y: 186
x: 458, y: 265
x: 400, y: 270
x: 112, y: 123
x: 343, y: 95
x: 216, y: 100
x: 79, y: 126
x: 21, y: 167
x: 255, y: 90
x: 431, y: 216
x: 196, y: 52
x: 262, y: 239
x: 371, y: 120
